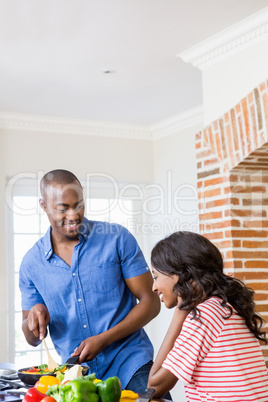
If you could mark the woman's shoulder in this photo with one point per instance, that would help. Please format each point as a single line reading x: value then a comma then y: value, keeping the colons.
x: 213, y: 301
x: 213, y: 306
x: 208, y: 317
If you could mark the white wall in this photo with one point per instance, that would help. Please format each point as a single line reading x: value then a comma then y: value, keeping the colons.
x: 176, y: 173
x: 124, y: 159
x: 226, y: 82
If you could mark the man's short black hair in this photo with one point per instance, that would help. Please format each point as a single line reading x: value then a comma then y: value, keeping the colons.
x: 57, y: 176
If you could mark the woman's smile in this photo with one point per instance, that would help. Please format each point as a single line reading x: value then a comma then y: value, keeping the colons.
x: 160, y: 296
x: 164, y: 286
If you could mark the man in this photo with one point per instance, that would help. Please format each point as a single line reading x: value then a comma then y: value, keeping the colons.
x: 82, y: 280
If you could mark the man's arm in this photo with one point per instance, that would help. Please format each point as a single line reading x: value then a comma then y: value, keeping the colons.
x: 34, y: 324
x: 160, y: 379
x: 147, y: 308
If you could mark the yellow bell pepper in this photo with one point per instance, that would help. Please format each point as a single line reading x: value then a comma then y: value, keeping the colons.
x: 128, y: 396
x: 45, y: 382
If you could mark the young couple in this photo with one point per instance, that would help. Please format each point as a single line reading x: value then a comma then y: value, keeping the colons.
x: 82, y: 280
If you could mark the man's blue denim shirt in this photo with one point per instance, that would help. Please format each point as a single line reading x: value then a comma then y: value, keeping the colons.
x: 89, y: 297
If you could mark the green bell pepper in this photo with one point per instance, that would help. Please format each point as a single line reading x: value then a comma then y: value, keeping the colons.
x: 109, y: 390
x: 90, y: 377
x: 79, y: 390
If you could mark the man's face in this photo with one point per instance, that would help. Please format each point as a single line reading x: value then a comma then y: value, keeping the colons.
x: 64, y: 206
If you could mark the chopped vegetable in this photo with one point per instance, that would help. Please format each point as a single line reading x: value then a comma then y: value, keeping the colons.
x: 109, y: 390
x: 90, y: 377
x: 60, y: 376
x: 45, y: 382
x: 43, y: 369
x: 32, y: 370
x: 79, y: 390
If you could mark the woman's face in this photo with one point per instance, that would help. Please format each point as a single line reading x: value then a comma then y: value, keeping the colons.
x: 164, y: 285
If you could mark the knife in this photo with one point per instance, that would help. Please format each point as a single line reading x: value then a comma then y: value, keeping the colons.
x: 147, y: 396
x: 72, y: 360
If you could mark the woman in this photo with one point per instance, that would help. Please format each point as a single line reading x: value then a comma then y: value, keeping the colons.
x: 212, y: 344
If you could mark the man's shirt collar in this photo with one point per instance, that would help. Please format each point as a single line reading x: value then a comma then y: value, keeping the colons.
x: 83, y: 235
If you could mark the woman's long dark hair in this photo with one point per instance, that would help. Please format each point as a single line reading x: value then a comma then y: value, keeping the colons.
x: 199, y: 265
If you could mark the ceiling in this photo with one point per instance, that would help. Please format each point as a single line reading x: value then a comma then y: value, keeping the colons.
x: 55, y: 54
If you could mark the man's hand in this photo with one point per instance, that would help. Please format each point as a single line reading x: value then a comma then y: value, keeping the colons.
x: 89, y: 348
x: 147, y: 308
x: 34, y: 323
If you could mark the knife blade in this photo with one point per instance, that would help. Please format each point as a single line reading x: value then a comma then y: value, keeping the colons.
x: 147, y: 396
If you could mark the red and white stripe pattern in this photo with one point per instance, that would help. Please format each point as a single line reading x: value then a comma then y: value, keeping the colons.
x: 219, y: 360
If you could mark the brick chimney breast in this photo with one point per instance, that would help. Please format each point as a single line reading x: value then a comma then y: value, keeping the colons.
x: 232, y: 181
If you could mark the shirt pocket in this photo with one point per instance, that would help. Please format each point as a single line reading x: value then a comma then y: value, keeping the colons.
x: 103, y: 278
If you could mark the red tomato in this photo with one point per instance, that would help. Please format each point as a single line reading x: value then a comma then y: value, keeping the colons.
x: 33, y: 370
x: 48, y: 399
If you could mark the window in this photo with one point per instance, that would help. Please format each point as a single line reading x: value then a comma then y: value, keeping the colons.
x: 27, y: 222
x: 28, y: 227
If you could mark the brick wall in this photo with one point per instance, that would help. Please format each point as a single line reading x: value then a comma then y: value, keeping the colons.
x: 232, y: 162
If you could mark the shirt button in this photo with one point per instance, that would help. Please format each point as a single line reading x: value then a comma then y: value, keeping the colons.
x: 74, y: 274
x: 79, y: 300
x: 84, y: 326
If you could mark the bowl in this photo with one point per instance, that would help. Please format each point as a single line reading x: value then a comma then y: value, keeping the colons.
x: 32, y: 378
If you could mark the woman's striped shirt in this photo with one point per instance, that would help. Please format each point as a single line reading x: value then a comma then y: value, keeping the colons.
x: 219, y: 360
